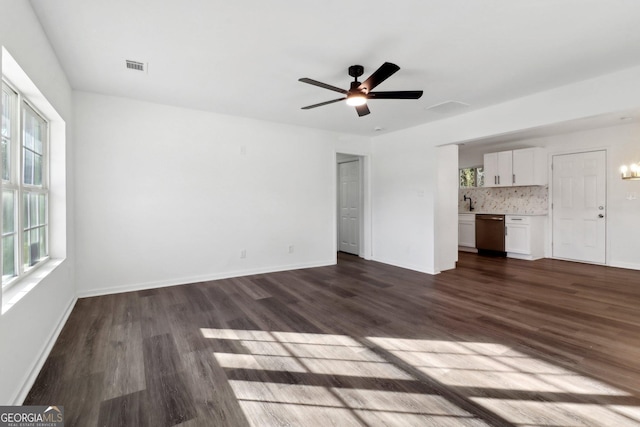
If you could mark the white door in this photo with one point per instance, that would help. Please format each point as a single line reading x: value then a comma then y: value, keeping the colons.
x: 578, y: 209
x: 349, y: 205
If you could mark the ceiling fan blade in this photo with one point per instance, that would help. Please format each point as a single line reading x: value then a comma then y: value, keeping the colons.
x: 399, y: 94
x: 322, y: 103
x: 320, y: 84
x: 385, y: 71
x: 362, y: 110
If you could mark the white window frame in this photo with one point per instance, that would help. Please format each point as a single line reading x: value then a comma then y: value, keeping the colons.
x: 16, y: 184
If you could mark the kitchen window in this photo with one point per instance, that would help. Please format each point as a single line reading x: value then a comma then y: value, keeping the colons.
x: 25, y: 192
x: 471, y: 177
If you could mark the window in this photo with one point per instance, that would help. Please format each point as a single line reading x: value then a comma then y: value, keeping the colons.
x: 472, y: 177
x: 25, y: 193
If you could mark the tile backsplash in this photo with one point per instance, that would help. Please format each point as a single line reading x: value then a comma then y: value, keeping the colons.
x: 508, y: 200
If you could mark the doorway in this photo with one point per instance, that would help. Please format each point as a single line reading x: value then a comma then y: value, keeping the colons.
x: 579, y: 206
x: 349, y: 205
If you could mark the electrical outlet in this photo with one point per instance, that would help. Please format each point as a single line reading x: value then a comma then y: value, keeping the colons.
x: 290, y: 249
x: 243, y: 253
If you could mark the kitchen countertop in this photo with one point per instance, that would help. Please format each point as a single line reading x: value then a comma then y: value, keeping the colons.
x: 504, y: 213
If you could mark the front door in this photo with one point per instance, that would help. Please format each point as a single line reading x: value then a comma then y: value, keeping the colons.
x: 349, y: 205
x: 578, y: 207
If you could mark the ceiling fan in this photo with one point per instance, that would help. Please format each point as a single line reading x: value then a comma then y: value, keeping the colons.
x: 358, y: 93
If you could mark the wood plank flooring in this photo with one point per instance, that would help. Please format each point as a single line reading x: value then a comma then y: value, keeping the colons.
x: 495, y: 342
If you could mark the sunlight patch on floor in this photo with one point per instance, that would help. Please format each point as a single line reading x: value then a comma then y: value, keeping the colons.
x: 519, y: 388
x: 486, y: 365
x: 249, y: 361
x: 316, y: 354
x: 558, y: 414
x: 632, y: 412
x: 315, y: 405
x: 332, y: 359
x: 292, y: 378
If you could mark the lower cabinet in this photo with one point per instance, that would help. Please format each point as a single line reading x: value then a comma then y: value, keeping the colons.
x: 467, y: 232
x: 524, y: 236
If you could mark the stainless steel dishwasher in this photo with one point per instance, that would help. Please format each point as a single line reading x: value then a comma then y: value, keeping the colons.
x: 490, y: 234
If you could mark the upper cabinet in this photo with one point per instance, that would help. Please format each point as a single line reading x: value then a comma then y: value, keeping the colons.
x: 515, y: 168
x: 498, y: 168
x: 530, y: 166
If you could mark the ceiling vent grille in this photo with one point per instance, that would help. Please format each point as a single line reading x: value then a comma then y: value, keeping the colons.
x: 448, y: 107
x: 134, y: 65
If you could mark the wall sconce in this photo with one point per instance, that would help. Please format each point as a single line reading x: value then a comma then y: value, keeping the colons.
x: 630, y: 172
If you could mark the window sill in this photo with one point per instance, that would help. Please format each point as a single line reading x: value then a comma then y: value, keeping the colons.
x: 17, y: 291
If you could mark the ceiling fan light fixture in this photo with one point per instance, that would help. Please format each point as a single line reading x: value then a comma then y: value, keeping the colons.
x: 358, y: 93
x: 356, y: 100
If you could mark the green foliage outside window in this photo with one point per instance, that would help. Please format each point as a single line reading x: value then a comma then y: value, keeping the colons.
x: 471, y: 177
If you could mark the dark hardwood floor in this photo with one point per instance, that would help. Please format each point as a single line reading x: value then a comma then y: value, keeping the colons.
x: 495, y: 342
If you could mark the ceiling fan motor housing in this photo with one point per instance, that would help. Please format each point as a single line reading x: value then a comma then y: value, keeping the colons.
x: 356, y: 71
x: 354, y: 87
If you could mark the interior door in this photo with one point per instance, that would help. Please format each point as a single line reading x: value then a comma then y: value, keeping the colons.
x: 578, y: 209
x: 349, y: 204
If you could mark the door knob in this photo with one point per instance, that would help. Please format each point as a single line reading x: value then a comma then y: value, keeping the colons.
x: 600, y: 216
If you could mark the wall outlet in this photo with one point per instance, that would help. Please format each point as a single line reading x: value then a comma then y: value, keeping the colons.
x: 290, y: 249
x: 243, y: 253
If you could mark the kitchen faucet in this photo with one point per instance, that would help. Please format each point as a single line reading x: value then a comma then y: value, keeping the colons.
x: 470, y: 202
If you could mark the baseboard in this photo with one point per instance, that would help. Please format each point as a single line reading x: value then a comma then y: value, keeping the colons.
x: 197, y: 279
x: 405, y: 265
x: 21, y: 395
x: 614, y: 264
x: 467, y: 249
x: 522, y: 256
x: 627, y: 265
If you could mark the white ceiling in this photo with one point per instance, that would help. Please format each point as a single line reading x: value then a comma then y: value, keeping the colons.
x: 244, y: 57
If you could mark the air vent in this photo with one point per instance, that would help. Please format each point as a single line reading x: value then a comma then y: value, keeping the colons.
x: 448, y: 107
x: 134, y: 65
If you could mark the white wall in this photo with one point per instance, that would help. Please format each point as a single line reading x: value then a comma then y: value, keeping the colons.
x: 29, y: 327
x: 404, y: 180
x: 622, y: 144
x: 405, y: 192
x: 446, y: 229
x: 165, y: 195
x: 168, y: 195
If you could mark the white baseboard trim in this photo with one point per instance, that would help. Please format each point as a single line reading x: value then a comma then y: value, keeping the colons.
x: 405, y: 265
x: 628, y: 265
x: 197, y: 279
x: 21, y: 395
x: 522, y: 256
x: 467, y: 249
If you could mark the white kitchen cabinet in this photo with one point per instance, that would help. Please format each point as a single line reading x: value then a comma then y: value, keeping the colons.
x: 498, y: 169
x: 524, y: 236
x: 490, y: 167
x: 467, y: 232
x: 529, y: 166
x: 522, y: 167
